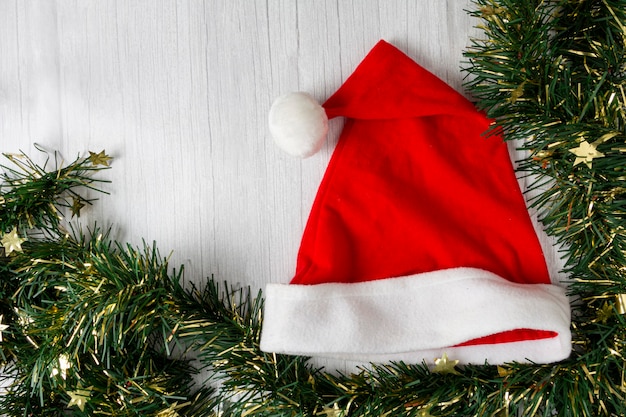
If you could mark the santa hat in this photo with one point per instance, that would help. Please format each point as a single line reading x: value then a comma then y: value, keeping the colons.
x: 419, y: 242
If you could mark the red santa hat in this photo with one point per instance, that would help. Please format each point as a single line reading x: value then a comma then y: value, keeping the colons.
x: 419, y: 242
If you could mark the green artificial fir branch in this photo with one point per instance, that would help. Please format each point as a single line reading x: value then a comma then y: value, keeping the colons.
x: 224, y: 325
x: 90, y: 323
x: 31, y: 195
x: 32, y: 198
x: 95, y: 324
x: 552, y: 74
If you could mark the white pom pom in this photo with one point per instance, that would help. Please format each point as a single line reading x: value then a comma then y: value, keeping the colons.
x: 298, y: 124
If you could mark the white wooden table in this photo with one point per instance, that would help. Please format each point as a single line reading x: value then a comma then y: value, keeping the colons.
x: 178, y: 93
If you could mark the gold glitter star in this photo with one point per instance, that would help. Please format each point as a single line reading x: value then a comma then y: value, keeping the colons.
x: 3, y: 327
x: 605, y: 313
x: 444, y: 365
x: 77, y: 205
x: 491, y: 11
x: 585, y: 152
x: 79, y: 398
x: 502, y: 371
x: 99, y: 158
x: 12, y: 242
x: 517, y: 93
x: 335, y: 411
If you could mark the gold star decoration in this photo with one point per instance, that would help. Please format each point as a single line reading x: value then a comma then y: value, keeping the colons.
x: 503, y: 372
x: 335, y: 411
x: 585, y: 152
x: 491, y: 11
x: 445, y: 366
x: 12, y: 242
x: 100, y: 158
x: 517, y: 93
x: 3, y: 327
x: 605, y: 313
x: 77, y: 205
x: 79, y: 397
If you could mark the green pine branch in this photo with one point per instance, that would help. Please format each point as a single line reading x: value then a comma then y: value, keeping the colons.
x: 32, y: 195
x: 90, y: 323
x: 93, y: 317
x: 552, y: 74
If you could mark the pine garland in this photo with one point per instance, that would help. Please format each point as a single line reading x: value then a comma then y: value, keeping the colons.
x: 89, y: 326
x: 90, y: 323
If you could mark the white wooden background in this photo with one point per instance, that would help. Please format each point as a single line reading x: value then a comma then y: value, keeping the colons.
x: 178, y: 93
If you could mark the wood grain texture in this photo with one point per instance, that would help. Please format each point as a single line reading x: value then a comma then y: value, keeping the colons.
x: 178, y: 93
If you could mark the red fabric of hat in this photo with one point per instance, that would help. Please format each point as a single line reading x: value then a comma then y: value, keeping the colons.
x: 419, y: 242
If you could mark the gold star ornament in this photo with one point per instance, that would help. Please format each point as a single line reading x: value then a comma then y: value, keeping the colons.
x: 586, y: 152
x: 504, y: 372
x: 77, y: 205
x: 445, y: 366
x: 100, y: 158
x: 335, y: 411
x: 605, y: 313
x: 79, y: 398
x: 12, y: 242
x: 517, y: 93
